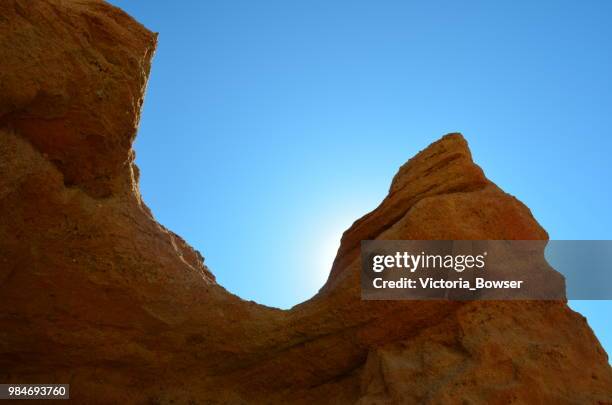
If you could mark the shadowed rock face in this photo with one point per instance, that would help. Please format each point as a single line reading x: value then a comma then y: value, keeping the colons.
x: 95, y: 293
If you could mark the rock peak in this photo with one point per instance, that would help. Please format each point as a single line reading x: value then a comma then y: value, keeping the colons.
x: 77, y: 100
x: 450, y: 151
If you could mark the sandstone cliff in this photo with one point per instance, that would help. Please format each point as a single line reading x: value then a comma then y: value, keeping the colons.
x: 95, y: 293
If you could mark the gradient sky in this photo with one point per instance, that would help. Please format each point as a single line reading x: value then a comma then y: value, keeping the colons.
x: 270, y: 126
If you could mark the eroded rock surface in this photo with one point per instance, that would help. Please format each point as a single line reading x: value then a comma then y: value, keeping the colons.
x: 95, y: 293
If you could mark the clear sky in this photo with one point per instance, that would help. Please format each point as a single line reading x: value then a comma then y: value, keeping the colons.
x: 270, y: 126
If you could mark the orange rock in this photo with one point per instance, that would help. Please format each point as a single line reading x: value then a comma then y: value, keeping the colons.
x: 97, y: 294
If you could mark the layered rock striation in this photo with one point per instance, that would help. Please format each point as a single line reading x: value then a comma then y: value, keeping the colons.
x: 95, y: 293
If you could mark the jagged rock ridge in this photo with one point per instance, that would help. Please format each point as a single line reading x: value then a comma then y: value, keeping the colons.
x: 96, y: 293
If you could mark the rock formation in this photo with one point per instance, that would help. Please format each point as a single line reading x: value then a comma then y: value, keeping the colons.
x: 95, y: 293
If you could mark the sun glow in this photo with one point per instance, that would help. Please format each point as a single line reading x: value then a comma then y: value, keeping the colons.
x: 326, y: 248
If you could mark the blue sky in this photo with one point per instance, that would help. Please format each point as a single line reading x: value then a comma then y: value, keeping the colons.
x: 270, y: 126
